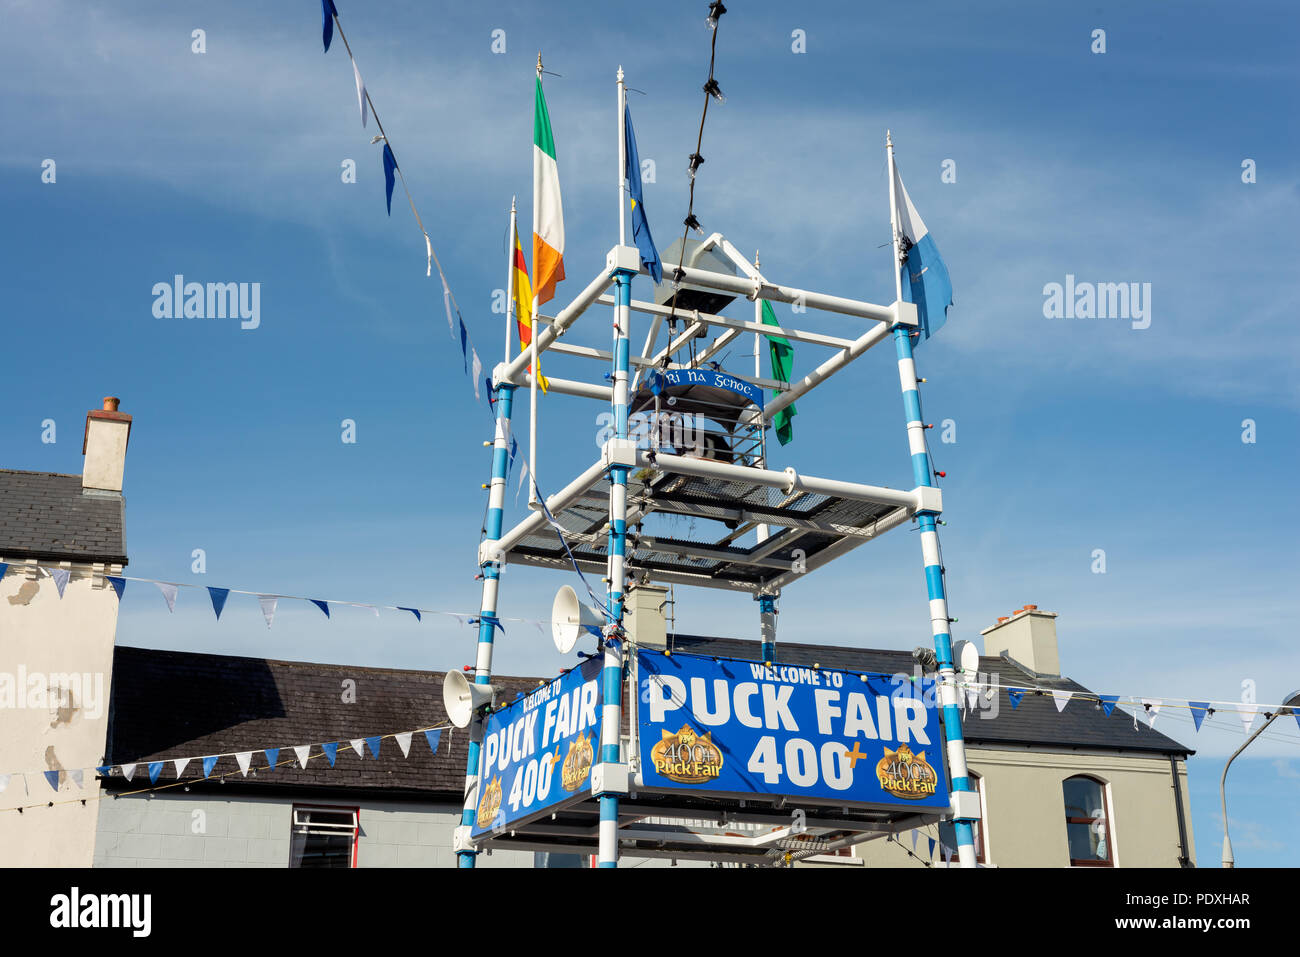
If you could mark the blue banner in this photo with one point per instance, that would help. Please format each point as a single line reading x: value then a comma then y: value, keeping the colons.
x: 723, y: 726
x: 719, y: 380
x: 537, y: 752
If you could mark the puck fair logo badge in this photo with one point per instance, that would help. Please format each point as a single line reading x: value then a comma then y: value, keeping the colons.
x: 906, y: 775
x: 491, y: 803
x: 687, y: 758
x: 577, y: 763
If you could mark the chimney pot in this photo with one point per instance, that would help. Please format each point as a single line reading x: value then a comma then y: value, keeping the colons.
x: 1001, y: 620
x: 1031, y: 608
x: 111, y: 403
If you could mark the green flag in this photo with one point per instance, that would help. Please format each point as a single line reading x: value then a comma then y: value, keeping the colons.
x: 782, y: 358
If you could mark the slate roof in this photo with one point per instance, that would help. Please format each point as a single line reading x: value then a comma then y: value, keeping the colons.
x: 173, y: 704
x: 1034, y: 722
x: 49, y: 516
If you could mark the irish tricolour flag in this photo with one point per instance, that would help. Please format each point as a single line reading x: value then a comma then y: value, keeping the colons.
x: 548, y: 215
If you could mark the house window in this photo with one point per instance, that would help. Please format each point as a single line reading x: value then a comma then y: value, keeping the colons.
x: 948, y: 833
x: 324, y: 836
x: 1087, y: 822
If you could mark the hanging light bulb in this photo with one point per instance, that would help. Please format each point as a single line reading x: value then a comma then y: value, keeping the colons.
x: 716, y: 10
x: 714, y: 90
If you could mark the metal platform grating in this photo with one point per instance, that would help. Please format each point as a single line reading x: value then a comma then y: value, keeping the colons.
x: 802, y: 525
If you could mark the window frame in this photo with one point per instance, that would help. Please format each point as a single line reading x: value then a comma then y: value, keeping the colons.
x: 1106, y: 817
x: 326, y: 828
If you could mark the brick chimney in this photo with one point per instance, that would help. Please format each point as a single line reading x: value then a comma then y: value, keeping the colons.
x: 1028, y: 636
x: 104, y: 446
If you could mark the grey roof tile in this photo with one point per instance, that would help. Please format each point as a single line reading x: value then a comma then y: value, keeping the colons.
x: 46, y: 515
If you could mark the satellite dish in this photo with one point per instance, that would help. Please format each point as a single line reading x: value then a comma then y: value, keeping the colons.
x: 966, y: 656
x: 462, y: 699
x: 570, y: 618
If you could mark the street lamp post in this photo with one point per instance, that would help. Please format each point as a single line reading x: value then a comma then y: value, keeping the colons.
x: 1292, y: 701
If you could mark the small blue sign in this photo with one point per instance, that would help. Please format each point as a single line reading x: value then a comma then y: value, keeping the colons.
x: 538, y: 751
x: 728, y: 727
x: 718, y: 380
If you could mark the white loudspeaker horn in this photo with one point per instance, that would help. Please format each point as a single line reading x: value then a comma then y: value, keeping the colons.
x: 462, y: 698
x: 967, y: 656
x: 570, y: 618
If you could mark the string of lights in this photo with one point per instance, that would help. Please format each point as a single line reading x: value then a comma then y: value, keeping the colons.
x: 694, y: 162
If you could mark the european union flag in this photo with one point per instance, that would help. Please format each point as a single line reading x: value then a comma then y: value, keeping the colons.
x: 645, y: 243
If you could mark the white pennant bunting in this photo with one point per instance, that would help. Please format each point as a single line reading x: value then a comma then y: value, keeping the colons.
x: 77, y: 775
x: 915, y: 835
x: 128, y: 770
x: 268, y: 607
x: 1247, y: 715
x: 357, y: 745
x: 169, y: 594
x: 404, y: 742
x: 60, y: 576
x: 428, y: 248
x: 4, y: 782
x: 947, y: 854
x: 180, y: 765
x: 302, y: 751
x: 477, y: 367
x: 244, y: 759
x: 361, y: 93
x: 446, y: 301
x: 1152, y: 708
x: 1062, y: 698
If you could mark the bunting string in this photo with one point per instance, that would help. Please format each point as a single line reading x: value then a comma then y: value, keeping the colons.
x: 392, y: 173
x: 302, y: 754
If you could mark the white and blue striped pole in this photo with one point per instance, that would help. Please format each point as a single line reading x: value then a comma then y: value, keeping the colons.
x: 491, y: 570
x: 612, y: 676
x: 767, y: 627
x: 939, y: 620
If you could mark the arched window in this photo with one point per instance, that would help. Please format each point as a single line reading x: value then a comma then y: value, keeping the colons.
x: 1087, y: 823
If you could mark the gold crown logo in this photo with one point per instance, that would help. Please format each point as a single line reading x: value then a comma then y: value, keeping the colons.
x: 686, y: 757
x: 577, y: 763
x: 490, y: 804
x: 906, y: 775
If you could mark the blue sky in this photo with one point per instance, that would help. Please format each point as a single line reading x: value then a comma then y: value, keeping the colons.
x: 1072, y: 435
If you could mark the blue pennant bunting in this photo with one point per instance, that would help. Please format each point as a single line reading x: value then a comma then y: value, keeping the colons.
x: 413, y: 611
x: 374, y: 745
x: 209, y: 763
x: 390, y: 164
x: 1108, y: 702
x: 53, y: 778
x: 331, y: 751
x: 272, y: 756
x: 328, y: 12
x: 119, y: 584
x: 4, y: 567
x: 105, y: 769
x: 464, y: 340
x: 1199, y: 710
x: 931, y: 840
x: 218, y: 596
x: 433, y: 737
x: 155, y: 769
x: 1015, y: 694
x: 492, y: 620
x: 322, y: 605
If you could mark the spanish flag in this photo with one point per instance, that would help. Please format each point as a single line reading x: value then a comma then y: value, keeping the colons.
x: 524, y: 305
x: 548, y: 214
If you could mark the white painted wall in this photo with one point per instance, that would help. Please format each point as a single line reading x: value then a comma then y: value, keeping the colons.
x: 42, y: 638
x: 1024, y: 810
